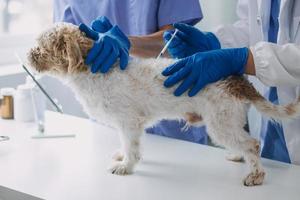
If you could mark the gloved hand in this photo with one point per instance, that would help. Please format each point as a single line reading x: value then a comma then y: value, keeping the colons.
x: 108, y: 47
x: 190, y: 40
x: 203, y: 68
x: 101, y: 24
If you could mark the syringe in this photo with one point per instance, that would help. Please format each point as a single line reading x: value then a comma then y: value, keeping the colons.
x: 167, y: 45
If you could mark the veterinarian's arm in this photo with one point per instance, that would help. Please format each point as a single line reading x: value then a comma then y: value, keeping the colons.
x: 276, y: 65
x: 149, y: 45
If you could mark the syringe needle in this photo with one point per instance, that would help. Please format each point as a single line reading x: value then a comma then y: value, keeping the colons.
x: 167, y: 45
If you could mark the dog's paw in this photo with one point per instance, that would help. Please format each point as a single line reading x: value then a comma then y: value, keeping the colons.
x: 234, y: 157
x: 120, y: 168
x: 118, y: 155
x: 254, y: 178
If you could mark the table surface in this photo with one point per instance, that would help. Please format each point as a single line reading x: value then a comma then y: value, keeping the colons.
x: 76, y: 168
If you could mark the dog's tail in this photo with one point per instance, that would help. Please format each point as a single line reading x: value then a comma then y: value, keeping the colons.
x: 243, y: 90
x: 277, y: 112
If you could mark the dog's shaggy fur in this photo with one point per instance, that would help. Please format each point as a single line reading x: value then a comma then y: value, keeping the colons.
x: 132, y: 99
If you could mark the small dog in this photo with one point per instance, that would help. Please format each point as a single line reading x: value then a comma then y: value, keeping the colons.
x: 132, y: 99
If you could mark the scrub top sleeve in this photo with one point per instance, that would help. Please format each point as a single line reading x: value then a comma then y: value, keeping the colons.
x: 58, y: 10
x: 62, y: 12
x: 173, y: 11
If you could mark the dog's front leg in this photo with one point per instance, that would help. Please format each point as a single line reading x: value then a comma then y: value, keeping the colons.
x: 126, y: 158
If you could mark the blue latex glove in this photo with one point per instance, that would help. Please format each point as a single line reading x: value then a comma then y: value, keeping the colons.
x: 108, y: 47
x: 190, y: 40
x: 203, y: 68
x: 101, y: 24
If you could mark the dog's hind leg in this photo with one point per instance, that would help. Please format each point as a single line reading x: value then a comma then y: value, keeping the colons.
x: 129, y: 155
x: 242, y: 143
x: 251, y: 151
x: 225, y: 127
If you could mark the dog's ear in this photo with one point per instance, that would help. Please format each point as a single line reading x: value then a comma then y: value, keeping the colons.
x: 37, y: 60
x: 74, y: 54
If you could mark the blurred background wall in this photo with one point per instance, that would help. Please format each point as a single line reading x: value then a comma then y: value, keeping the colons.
x: 217, y: 12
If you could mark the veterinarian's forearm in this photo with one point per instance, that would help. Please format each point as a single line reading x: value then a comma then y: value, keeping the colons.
x: 149, y: 45
x: 250, y: 66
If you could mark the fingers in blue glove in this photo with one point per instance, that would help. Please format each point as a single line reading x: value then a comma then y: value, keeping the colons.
x: 167, y: 35
x: 101, y: 24
x: 178, y: 76
x: 88, y: 31
x: 174, y: 67
x: 185, y: 28
x: 179, y: 49
x: 175, y: 42
x: 110, y: 60
x: 186, y: 32
x: 201, y: 83
x: 94, y: 52
x: 116, y: 31
x: 124, y: 55
x: 183, y: 36
x: 101, y: 57
x: 185, y: 85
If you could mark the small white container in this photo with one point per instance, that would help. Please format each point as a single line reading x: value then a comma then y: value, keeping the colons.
x: 23, y: 104
x: 30, y: 103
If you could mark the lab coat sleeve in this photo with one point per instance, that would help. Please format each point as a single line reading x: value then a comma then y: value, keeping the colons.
x: 277, y: 65
x: 237, y: 34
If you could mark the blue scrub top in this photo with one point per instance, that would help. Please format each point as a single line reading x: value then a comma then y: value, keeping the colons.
x: 134, y: 17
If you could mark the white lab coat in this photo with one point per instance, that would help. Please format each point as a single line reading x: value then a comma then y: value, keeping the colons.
x: 276, y: 65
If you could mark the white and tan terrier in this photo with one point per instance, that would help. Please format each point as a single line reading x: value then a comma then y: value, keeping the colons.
x: 132, y: 99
